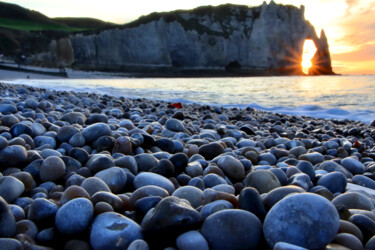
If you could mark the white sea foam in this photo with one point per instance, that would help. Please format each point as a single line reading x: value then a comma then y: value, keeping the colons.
x: 337, y: 97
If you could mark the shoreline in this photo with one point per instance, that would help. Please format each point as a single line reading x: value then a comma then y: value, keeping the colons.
x: 8, y: 71
x: 175, y: 173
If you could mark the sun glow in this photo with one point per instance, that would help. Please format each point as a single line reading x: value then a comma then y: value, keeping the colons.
x: 308, y: 53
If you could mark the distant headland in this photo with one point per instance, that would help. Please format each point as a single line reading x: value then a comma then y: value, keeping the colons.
x: 206, y: 41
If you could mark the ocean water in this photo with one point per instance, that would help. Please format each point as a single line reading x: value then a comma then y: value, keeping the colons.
x: 338, y: 97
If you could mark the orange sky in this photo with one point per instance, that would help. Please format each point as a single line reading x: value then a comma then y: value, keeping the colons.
x: 348, y: 24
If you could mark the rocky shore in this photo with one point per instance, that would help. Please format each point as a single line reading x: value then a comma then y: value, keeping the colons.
x: 81, y: 171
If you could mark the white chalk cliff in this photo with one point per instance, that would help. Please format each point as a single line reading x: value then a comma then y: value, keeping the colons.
x: 268, y: 38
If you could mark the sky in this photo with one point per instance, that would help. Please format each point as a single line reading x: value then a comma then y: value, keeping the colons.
x: 348, y: 24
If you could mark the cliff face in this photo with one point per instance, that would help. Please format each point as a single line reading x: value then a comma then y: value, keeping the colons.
x: 267, y: 38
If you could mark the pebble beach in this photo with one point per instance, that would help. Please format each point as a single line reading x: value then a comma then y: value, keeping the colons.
x: 88, y: 171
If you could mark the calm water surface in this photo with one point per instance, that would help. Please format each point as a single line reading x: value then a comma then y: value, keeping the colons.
x: 351, y: 97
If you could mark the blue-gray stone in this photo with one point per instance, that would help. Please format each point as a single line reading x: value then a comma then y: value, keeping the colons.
x: 211, y: 180
x: 214, y: 207
x: 353, y: 165
x: 74, y: 216
x: 251, y: 201
x: 314, y: 158
x: 306, y: 220
x: 262, y: 180
x: 191, y: 240
x: 7, y: 220
x: 114, y: 177
x: 232, y: 229
x: 99, y: 162
x: 42, y: 211
x: 94, y: 184
x: 302, y: 180
x: 363, y: 181
x: 279, y: 193
x: 145, y: 161
x: 94, y: 131
x: 331, y: 166
x: 307, y: 168
x: 334, y: 182
x: 144, y: 179
x: 174, y: 125
x: 192, y: 194
x: 281, y: 175
x: 8, y: 108
x: 11, y: 188
x: 13, y: 155
x: 267, y: 158
x: 44, y: 140
x: 354, y: 200
x: 19, y: 129
x: 111, y: 230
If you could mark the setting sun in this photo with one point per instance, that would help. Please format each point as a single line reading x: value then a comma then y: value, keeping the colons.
x: 308, y: 53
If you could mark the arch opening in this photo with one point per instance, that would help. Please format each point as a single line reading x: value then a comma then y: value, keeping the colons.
x: 309, y: 50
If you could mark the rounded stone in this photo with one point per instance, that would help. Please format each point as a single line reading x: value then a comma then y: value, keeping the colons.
x: 302, y: 180
x: 74, y: 216
x: 232, y: 229
x: 147, y: 191
x: 42, y: 140
x: 8, y: 108
x: 127, y: 162
x: 99, y: 162
x: 7, y: 220
x: 314, y: 158
x: 306, y: 220
x: 353, y: 165
x: 144, y: 179
x: 73, y: 192
x: 74, y: 117
x: 334, y: 182
x: 111, y: 230
x: 250, y: 200
x: 354, y: 200
x: 192, y: 194
x: 145, y: 162
x: 138, y: 245
x: 42, y: 211
x: 10, y: 244
x: 174, y: 125
x: 13, y: 155
x: 348, y: 240
x: 211, y: 150
x: 27, y: 227
x: 52, y: 169
x: 123, y: 145
x: 109, y: 198
x: 93, y: 185
x: 363, y: 181
x: 65, y: 133
x: 191, y: 240
x: 164, y: 167
x: 11, y: 188
x: 262, y: 180
x: 171, y: 217
x: 77, y: 140
x: 114, y: 177
x: 232, y: 167
x: 94, y: 131
x: 19, y: 129
x: 18, y: 212
x: 214, y: 207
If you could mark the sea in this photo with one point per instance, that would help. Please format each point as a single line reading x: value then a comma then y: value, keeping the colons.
x: 339, y: 97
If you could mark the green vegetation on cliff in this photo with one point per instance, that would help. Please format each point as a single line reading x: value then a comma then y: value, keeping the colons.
x: 29, y: 31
